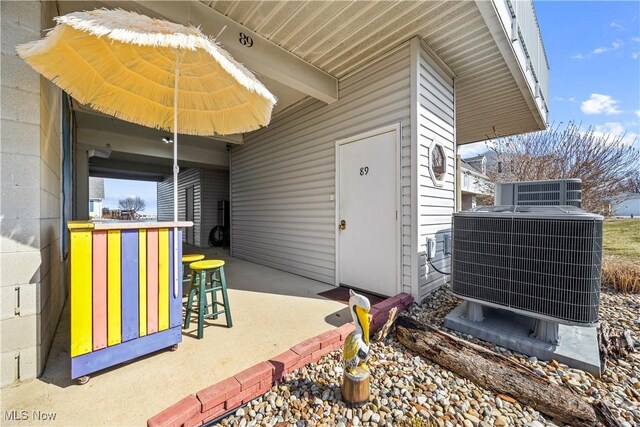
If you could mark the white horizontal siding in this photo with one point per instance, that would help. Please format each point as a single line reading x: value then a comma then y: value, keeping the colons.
x: 435, y: 201
x: 283, y: 176
x: 215, y: 187
x: 186, y: 178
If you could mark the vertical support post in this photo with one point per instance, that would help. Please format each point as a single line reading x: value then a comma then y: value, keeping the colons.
x: 458, y: 183
x: 176, y: 169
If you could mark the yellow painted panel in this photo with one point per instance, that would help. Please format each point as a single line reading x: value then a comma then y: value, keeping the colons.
x: 142, y: 297
x: 163, y: 279
x: 114, y: 288
x: 81, y: 277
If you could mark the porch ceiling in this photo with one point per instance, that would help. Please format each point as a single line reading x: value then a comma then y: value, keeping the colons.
x: 339, y: 37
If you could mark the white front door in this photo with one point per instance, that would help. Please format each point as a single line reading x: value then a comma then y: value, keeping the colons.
x: 367, y: 211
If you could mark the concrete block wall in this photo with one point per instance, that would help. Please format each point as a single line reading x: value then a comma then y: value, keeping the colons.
x: 32, y: 285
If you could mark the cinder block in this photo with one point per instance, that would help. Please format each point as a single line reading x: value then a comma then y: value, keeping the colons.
x: 14, y: 34
x: 254, y: 375
x: 218, y: 393
x: 20, y: 235
x: 20, y: 267
x: 29, y: 366
x: 26, y: 294
x: 19, y: 333
x: 345, y: 330
x: 204, y: 417
x: 176, y: 414
x: 328, y: 338
x: 306, y: 347
x: 16, y: 73
x: 20, y: 105
x: 8, y: 368
x: 26, y: 14
x: 17, y: 137
x: 21, y: 171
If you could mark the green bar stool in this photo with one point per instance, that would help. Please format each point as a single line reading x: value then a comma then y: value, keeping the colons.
x: 200, y: 287
x: 186, y: 260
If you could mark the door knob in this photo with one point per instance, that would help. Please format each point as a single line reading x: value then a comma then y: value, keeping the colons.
x: 343, y: 225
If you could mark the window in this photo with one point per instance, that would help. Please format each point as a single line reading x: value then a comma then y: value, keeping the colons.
x: 90, y: 206
x: 438, y: 162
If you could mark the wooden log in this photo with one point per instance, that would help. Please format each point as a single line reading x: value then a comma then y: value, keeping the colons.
x: 495, y: 372
x: 386, y: 328
x: 355, y: 387
x: 613, y: 343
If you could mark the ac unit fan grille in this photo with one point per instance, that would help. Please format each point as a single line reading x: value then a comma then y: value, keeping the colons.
x: 547, y: 267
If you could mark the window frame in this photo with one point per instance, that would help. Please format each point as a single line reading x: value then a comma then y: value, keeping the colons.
x: 435, y: 144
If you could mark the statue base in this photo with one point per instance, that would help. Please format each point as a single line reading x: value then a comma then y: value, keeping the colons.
x: 355, y: 387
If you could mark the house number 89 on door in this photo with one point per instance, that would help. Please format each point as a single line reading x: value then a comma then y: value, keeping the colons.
x: 364, y: 171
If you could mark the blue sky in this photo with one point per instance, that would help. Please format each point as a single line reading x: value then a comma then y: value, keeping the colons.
x: 115, y: 189
x: 593, y: 49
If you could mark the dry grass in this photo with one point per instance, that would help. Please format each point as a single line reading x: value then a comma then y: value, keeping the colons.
x: 621, y: 275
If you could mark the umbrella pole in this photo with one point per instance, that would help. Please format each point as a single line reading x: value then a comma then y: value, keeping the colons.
x: 176, y: 169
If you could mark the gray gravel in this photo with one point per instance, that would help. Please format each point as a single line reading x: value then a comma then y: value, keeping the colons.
x: 409, y: 390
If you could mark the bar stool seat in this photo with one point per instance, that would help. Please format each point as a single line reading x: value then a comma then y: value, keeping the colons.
x: 189, y: 258
x: 201, y: 287
x: 186, y: 260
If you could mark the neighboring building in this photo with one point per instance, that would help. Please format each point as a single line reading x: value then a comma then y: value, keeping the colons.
x: 354, y: 174
x: 96, y: 196
x: 626, y: 205
x: 475, y: 182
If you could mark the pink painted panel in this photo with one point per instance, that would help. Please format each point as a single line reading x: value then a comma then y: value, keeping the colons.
x: 99, y: 289
x: 152, y: 281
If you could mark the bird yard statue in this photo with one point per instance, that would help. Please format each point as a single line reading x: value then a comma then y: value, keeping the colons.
x: 355, y: 384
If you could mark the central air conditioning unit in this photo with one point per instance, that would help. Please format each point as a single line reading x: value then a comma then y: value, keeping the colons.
x: 540, y: 261
x: 559, y: 192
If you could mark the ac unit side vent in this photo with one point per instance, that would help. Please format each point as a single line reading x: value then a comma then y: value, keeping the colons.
x: 546, y: 266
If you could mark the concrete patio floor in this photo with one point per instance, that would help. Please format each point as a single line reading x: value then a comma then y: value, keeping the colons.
x: 272, y: 311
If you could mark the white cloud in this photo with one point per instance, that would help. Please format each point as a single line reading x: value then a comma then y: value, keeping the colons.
x: 635, y: 55
x: 617, y: 25
x: 638, y: 113
x: 614, y: 46
x: 474, y: 149
x: 635, y: 39
x: 579, y: 56
x: 573, y: 99
x: 600, y: 104
x: 616, y: 129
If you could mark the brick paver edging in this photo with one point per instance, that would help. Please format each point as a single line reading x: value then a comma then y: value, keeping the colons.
x: 223, y: 397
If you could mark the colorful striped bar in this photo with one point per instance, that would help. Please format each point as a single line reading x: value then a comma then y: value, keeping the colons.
x: 81, y: 298
x: 152, y: 281
x: 142, y: 281
x: 99, y: 290
x: 114, y: 288
x: 130, y: 292
x: 164, y: 258
x: 175, y: 300
x: 122, y: 300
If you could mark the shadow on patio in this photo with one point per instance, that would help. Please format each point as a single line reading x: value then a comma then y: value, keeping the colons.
x: 272, y: 311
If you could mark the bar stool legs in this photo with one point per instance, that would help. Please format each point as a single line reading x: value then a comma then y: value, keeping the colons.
x: 200, y: 287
